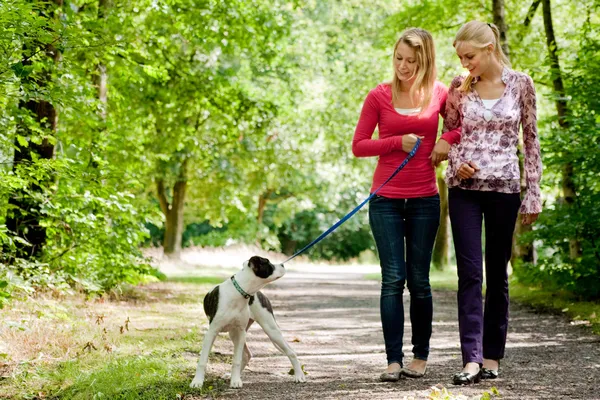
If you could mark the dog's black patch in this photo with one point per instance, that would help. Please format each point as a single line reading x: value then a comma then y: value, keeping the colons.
x: 264, y: 302
x: 211, y: 303
x: 261, y: 267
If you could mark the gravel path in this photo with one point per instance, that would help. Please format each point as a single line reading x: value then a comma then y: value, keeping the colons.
x: 332, y: 321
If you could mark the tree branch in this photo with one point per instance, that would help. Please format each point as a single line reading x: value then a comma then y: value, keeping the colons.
x: 531, y: 13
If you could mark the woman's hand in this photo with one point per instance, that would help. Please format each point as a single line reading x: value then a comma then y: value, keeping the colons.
x: 440, y: 152
x: 528, y: 219
x: 467, y: 170
x: 409, y: 141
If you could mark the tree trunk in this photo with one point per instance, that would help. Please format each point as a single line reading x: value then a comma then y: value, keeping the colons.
x: 568, y: 184
x: 173, y: 212
x: 500, y: 22
x: 262, y: 203
x: 101, y: 76
x: 100, y: 80
x: 23, y: 217
x: 521, y: 253
x: 440, y: 249
x: 531, y: 12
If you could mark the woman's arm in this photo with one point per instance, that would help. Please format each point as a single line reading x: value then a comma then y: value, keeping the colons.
x: 532, y: 202
x: 362, y: 144
x: 450, y: 136
x: 451, y: 114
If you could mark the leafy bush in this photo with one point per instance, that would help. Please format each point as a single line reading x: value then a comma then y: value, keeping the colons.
x: 347, y: 241
x: 560, y: 223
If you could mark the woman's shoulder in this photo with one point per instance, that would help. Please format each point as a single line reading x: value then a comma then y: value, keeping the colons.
x: 519, y: 76
x: 381, y: 92
x: 439, y: 87
x: 457, y: 81
x: 384, y: 88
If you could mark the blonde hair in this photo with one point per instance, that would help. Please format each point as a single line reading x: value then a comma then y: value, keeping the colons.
x: 480, y: 35
x: 421, y: 42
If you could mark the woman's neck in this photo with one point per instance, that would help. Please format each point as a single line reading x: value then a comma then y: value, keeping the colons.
x: 406, y: 86
x: 493, y: 73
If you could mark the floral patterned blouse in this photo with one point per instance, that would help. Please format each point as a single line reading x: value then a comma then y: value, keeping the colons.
x: 489, y: 138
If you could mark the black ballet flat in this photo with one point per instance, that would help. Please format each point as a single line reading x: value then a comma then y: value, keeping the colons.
x: 465, y: 378
x: 489, y: 373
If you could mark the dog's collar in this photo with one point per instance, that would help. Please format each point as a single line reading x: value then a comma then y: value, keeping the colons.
x: 239, y: 288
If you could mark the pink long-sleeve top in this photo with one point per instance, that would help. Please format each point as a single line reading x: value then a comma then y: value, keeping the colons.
x: 417, y: 178
x: 489, y: 138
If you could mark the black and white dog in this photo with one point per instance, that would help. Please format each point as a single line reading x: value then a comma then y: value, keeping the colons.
x: 233, y: 306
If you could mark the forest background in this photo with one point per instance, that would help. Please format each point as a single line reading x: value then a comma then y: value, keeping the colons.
x: 178, y: 123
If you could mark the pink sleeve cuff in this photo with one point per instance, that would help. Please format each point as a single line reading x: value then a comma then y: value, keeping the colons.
x: 532, y: 202
x: 452, y: 137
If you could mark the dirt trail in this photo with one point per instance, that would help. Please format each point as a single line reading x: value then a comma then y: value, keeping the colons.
x: 332, y: 321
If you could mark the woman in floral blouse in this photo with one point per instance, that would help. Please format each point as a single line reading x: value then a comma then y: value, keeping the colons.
x: 490, y: 105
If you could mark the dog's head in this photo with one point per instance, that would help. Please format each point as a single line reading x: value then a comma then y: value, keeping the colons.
x: 263, y: 269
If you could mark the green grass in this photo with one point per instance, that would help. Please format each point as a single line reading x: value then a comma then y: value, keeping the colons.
x: 559, y: 302
x: 123, y: 377
x: 197, y: 280
x: 155, y: 359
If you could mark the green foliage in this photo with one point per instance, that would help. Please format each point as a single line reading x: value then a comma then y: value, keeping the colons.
x: 579, y: 146
x: 347, y: 241
x: 85, y: 202
x: 4, y: 293
x: 196, y: 233
x: 253, y: 105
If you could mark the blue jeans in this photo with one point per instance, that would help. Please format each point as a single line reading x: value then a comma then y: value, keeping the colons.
x: 394, y: 221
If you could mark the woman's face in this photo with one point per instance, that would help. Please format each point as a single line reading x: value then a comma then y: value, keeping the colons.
x: 476, y: 60
x: 405, y: 62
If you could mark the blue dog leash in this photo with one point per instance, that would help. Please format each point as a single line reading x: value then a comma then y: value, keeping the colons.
x: 351, y: 213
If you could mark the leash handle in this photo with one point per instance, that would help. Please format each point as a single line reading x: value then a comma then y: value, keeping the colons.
x: 351, y: 213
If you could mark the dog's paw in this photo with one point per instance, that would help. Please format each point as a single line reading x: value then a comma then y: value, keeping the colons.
x: 299, y: 378
x: 226, y: 376
x: 235, y: 383
x: 197, y: 383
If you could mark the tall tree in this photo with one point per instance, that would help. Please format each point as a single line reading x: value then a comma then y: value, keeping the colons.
x: 442, y: 240
x: 24, y: 218
x: 201, y: 85
x: 522, y: 252
x: 568, y: 183
x: 500, y: 21
x: 173, y: 210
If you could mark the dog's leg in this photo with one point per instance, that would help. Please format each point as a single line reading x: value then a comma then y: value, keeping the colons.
x: 266, y: 320
x: 238, y: 336
x: 209, y: 339
x: 245, y: 358
x: 247, y: 354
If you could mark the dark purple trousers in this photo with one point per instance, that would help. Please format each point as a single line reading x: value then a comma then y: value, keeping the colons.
x: 482, y: 334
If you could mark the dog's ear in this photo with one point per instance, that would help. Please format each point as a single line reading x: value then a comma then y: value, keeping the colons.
x: 261, y: 267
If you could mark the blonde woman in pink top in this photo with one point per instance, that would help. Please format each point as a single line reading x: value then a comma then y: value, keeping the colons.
x: 405, y: 213
x: 490, y: 105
